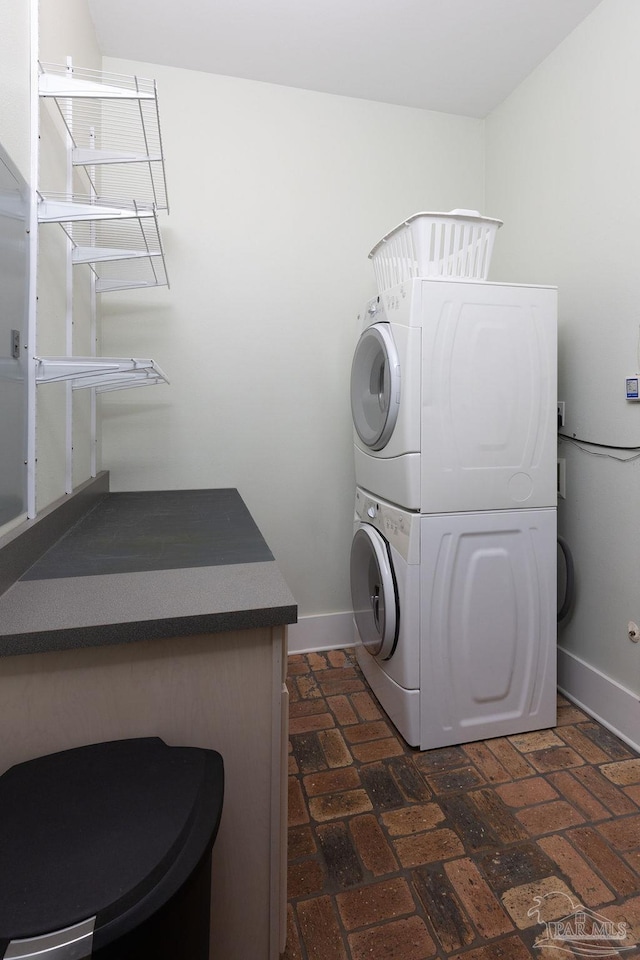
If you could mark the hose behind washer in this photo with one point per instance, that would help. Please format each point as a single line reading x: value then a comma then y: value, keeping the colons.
x: 569, y: 590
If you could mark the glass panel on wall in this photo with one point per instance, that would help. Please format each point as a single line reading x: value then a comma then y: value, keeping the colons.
x: 14, y: 259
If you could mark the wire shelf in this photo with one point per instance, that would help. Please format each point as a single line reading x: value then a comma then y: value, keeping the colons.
x: 114, y: 239
x: 130, y: 274
x: 100, y: 373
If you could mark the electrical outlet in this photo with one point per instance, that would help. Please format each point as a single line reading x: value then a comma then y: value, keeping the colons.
x: 562, y: 478
x: 560, y: 414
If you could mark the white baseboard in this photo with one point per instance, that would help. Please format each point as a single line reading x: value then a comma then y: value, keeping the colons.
x: 331, y: 631
x: 606, y: 700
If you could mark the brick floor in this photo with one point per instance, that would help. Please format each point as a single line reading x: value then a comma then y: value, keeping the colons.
x: 467, y: 852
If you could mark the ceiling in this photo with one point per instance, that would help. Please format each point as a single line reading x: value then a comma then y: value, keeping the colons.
x: 455, y: 56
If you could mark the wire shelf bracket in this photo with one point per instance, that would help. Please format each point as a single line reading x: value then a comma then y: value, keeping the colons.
x: 101, y: 373
x: 60, y: 208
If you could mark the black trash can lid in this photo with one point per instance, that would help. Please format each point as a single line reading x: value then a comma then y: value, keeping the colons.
x: 98, y: 830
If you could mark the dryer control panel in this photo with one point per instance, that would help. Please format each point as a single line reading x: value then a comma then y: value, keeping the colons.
x: 373, y: 312
x: 400, y: 528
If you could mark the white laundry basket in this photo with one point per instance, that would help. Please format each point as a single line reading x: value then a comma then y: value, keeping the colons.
x: 457, y: 245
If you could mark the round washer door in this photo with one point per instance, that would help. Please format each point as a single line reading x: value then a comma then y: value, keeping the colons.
x: 373, y: 592
x: 375, y: 386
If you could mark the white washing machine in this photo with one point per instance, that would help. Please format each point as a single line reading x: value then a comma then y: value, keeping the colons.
x: 453, y: 396
x: 455, y: 618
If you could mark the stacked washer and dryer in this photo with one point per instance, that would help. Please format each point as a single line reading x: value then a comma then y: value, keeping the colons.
x: 453, y: 560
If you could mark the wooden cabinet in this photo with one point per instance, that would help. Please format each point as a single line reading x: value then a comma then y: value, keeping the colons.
x: 224, y: 691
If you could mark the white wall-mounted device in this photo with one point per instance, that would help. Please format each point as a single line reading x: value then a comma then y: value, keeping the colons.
x: 632, y: 383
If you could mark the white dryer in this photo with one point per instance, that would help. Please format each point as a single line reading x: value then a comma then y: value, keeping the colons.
x: 455, y: 618
x: 453, y: 396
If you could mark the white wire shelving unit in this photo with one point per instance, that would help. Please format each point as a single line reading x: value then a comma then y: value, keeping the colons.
x: 111, y: 127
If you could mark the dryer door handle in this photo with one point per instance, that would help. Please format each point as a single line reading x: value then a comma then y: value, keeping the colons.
x: 375, y: 606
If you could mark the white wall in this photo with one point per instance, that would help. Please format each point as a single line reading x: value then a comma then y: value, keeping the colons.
x: 277, y: 195
x: 66, y: 30
x: 562, y: 170
x: 14, y: 81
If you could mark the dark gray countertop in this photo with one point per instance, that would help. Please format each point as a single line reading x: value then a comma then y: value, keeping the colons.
x: 140, y: 565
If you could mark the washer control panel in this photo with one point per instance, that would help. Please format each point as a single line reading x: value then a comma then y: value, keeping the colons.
x: 398, y: 527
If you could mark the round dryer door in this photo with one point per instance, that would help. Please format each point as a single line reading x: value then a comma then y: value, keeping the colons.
x: 373, y: 592
x: 375, y: 386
